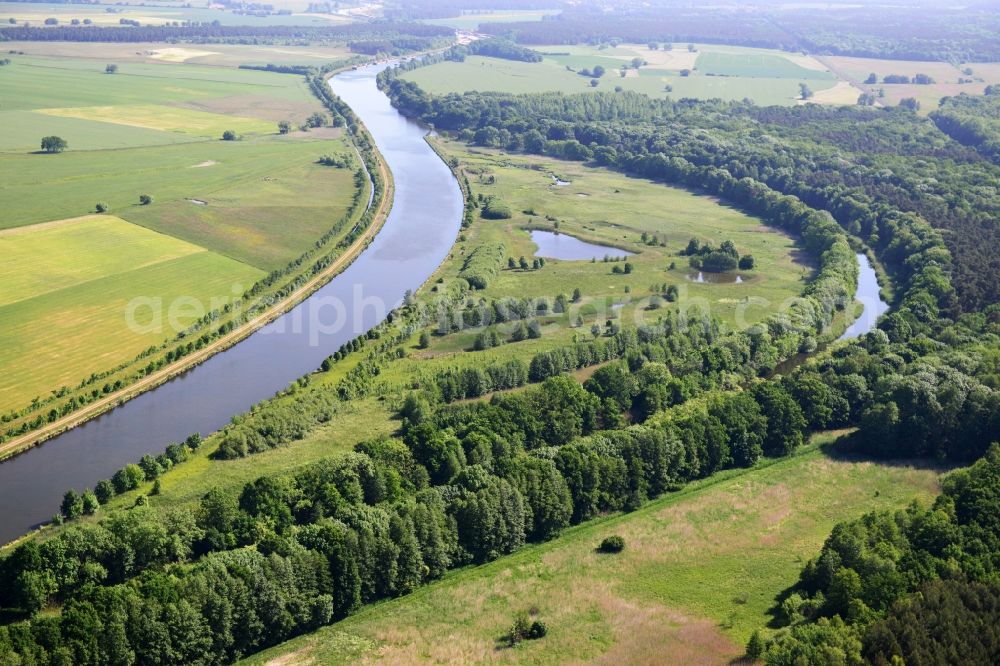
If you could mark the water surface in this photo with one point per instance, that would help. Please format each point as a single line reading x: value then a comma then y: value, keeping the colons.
x: 560, y: 246
x: 870, y: 296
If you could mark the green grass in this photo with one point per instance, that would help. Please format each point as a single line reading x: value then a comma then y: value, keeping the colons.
x: 267, y: 199
x: 614, y: 210
x: 58, y: 337
x: 21, y: 132
x: 699, y: 572
x: 35, y: 14
x: 767, y: 77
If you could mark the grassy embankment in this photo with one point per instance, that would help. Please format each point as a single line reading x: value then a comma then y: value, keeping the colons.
x: 224, y: 213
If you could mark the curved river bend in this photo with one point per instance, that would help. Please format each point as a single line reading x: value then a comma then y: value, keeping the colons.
x: 423, y: 224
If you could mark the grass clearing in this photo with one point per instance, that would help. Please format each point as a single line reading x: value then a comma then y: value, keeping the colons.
x: 700, y: 570
x: 615, y: 213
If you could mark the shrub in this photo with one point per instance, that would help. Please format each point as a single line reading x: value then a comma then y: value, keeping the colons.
x: 101, y: 207
x: 537, y: 630
x: 612, y: 544
x: 229, y: 135
x: 494, y: 209
x: 145, y: 199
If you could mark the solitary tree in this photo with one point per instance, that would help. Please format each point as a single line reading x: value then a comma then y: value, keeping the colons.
x: 805, y: 92
x: 229, y: 135
x: 284, y: 127
x: 111, y: 69
x: 594, y: 83
x: 54, y: 144
x: 317, y: 119
x: 101, y: 207
x: 145, y: 199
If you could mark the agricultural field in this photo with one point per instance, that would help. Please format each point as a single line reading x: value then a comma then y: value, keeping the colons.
x: 221, y: 214
x: 946, y: 78
x: 731, y: 73
x: 701, y: 569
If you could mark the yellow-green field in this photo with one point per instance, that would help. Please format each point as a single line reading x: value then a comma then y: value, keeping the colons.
x: 166, y: 119
x: 67, y: 290
x: 700, y: 570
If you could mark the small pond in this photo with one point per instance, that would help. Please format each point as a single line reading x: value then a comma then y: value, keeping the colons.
x: 702, y: 277
x: 560, y: 246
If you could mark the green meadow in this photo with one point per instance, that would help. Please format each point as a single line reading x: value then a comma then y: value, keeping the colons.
x: 700, y: 570
x: 730, y: 73
x: 222, y: 215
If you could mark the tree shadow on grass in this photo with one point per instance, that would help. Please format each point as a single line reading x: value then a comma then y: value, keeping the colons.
x: 849, y: 448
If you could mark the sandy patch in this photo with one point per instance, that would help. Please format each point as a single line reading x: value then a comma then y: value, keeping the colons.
x: 676, y: 58
x: 179, y: 54
x: 257, y: 106
x: 300, y: 657
x: 842, y: 93
x: 202, y: 165
x: 806, y: 61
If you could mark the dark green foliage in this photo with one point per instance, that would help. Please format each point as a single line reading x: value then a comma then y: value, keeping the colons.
x: 483, y: 264
x: 612, y: 544
x: 54, y: 144
x: 494, y: 209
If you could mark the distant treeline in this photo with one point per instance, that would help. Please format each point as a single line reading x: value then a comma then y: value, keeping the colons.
x: 213, y: 32
x: 973, y: 121
x: 301, y: 70
x: 434, y: 9
x: 961, y: 34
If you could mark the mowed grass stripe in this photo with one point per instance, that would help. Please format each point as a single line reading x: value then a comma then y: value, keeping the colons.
x: 46, y: 341
x: 47, y: 258
x: 21, y: 132
x: 700, y: 569
x: 165, y: 118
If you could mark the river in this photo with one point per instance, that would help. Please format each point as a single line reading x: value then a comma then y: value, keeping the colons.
x: 870, y: 296
x: 420, y: 230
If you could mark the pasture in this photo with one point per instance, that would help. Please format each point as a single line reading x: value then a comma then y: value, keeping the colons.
x: 700, y: 570
x: 731, y: 73
x: 67, y: 315
x: 610, y: 209
x: 222, y: 214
